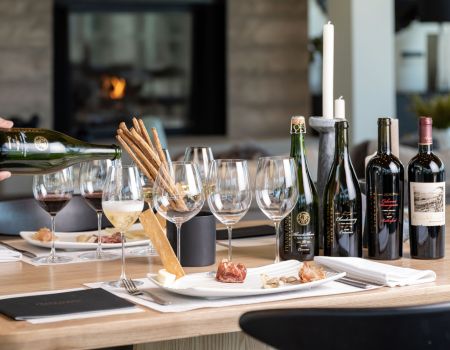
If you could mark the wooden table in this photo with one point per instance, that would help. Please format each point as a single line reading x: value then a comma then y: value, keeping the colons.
x: 151, y: 326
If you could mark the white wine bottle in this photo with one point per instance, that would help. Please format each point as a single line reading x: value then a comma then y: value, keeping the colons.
x: 39, y: 151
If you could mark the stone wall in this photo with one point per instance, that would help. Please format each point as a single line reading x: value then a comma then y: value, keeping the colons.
x: 26, y: 59
x: 267, y: 66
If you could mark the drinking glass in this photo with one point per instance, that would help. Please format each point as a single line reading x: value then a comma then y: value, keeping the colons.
x: 122, y: 202
x: 147, y: 190
x: 276, y: 190
x: 202, y: 156
x: 53, y: 192
x: 92, y: 180
x: 180, y: 197
x: 229, y: 195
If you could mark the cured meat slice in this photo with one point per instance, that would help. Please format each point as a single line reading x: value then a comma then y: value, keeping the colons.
x: 229, y: 272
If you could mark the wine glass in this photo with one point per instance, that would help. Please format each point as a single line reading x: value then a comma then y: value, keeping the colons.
x: 122, y: 202
x: 92, y: 180
x: 202, y: 156
x: 229, y: 195
x: 179, y: 197
x: 147, y: 190
x: 52, y: 192
x: 276, y: 190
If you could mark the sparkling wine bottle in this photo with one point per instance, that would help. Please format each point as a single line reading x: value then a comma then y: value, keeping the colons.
x: 39, y: 151
x: 300, y: 235
x: 426, y: 186
x: 342, y: 202
x: 384, y: 181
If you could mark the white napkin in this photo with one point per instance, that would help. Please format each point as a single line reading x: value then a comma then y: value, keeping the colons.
x: 7, y: 255
x: 180, y: 303
x: 375, y: 272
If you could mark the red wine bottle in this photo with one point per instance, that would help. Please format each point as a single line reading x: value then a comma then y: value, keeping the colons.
x: 300, y: 235
x: 384, y: 181
x: 426, y: 186
x: 342, y: 209
x: 40, y: 151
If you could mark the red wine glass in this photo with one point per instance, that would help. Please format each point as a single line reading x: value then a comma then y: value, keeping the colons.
x: 53, y: 192
x: 92, y: 180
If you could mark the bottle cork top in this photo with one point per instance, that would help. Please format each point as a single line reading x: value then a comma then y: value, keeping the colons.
x: 298, y: 125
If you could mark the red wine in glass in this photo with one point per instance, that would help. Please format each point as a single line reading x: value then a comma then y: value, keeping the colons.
x: 94, y: 200
x: 52, y: 204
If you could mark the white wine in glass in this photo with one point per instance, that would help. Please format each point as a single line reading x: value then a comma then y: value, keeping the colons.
x: 122, y: 203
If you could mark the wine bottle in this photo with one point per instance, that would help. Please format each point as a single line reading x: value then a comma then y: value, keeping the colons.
x: 426, y: 186
x: 342, y: 202
x: 39, y: 151
x: 300, y: 235
x: 384, y: 181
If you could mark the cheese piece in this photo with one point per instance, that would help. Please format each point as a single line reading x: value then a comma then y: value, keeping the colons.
x: 165, y: 278
x: 157, y: 235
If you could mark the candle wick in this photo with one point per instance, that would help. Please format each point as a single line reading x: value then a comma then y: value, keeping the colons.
x: 329, y: 22
x: 341, y: 98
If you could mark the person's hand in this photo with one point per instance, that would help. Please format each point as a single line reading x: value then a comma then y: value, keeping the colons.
x: 6, y: 124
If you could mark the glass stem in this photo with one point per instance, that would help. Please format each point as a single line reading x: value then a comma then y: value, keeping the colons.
x: 277, y: 241
x: 52, y: 256
x: 99, y: 235
x: 230, y: 248
x: 178, y: 242
x: 122, y: 273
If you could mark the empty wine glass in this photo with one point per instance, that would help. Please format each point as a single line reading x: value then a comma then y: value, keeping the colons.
x: 276, y: 190
x: 53, y: 192
x: 178, y: 197
x: 92, y: 181
x: 229, y: 195
x: 202, y: 156
x: 122, y: 202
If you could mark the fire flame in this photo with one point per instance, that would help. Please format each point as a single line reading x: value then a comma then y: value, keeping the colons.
x: 113, y: 87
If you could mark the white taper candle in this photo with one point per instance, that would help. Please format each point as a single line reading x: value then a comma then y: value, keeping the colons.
x: 328, y: 70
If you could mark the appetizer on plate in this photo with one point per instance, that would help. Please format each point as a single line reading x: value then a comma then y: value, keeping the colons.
x: 229, y: 272
x: 44, y: 235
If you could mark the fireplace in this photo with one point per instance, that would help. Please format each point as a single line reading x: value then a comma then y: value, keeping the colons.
x: 159, y: 59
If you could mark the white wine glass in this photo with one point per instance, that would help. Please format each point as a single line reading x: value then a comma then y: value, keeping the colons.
x: 276, y: 191
x: 53, y: 192
x: 229, y: 194
x: 180, y: 197
x: 122, y: 202
x: 202, y: 157
x: 92, y: 181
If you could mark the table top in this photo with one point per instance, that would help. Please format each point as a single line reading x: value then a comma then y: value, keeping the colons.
x: 148, y: 326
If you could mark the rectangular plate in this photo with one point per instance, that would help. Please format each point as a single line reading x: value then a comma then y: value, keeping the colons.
x: 204, y: 285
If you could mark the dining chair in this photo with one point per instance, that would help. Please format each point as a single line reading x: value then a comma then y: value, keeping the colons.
x: 25, y: 215
x: 419, y: 327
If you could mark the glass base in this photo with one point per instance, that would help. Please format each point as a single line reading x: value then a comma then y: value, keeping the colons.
x: 57, y: 259
x: 95, y: 256
x: 144, y: 251
x: 119, y: 284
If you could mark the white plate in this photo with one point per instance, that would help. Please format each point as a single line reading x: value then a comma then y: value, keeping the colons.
x: 68, y: 240
x: 204, y: 284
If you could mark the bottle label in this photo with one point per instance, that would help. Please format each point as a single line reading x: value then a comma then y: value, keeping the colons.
x: 41, y: 143
x: 303, y: 218
x: 344, y: 223
x: 427, y: 203
x: 303, y: 242
x: 389, y: 206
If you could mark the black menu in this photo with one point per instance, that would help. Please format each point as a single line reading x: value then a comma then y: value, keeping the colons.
x: 38, y: 306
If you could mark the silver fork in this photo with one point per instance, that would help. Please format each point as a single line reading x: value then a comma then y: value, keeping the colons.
x: 131, y: 288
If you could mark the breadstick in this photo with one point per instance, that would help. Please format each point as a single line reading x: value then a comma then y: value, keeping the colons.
x: 158, y: 146
x: 146, y: 148
x: 137, y: 126
x: 133, y: 156
x: 146, y: 135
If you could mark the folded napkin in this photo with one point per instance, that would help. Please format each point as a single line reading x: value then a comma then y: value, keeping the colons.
x: 7, y: 255
x: 375, y: 272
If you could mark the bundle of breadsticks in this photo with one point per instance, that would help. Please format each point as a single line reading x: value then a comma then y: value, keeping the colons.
x: 149, y: 157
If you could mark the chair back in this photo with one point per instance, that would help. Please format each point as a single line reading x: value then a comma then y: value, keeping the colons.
x: 26, y: 215
x: 423, y: 327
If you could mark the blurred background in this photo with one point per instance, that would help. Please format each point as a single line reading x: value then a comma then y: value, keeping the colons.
x: 223, y: 73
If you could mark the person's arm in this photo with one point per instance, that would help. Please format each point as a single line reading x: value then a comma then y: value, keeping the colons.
x: 5, y: 124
